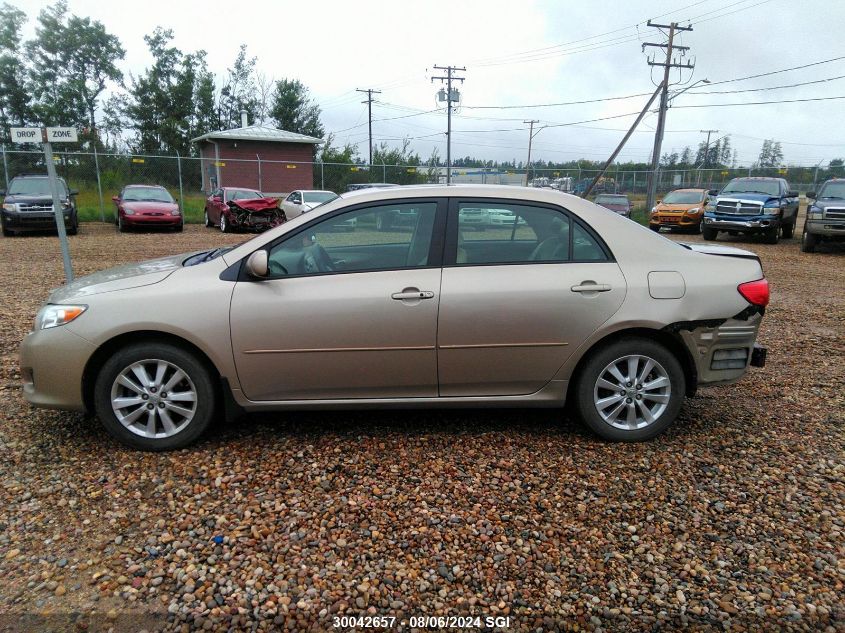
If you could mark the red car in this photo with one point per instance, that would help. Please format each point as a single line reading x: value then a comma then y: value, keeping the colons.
x: 146, y: 206
x: 615, y: 202
x: 233, y: 208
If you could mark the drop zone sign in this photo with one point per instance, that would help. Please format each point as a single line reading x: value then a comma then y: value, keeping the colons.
x: 44, y: 135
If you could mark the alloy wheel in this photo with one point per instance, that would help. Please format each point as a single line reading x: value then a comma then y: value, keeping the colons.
x: 154, y: 398
x: 632, y: 392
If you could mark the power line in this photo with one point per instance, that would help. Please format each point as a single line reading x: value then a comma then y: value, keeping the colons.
x: 727, y: 92
x: 748, y: 103
x: 775, y: 72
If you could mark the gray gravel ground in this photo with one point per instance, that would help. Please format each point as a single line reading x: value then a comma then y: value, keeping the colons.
x: 734, y: 520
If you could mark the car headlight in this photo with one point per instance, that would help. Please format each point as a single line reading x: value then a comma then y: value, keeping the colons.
x: 176, y: 212
x: 654, y: 209
x: 772, y: 206
x: 129, y: 212
x: 10, y: 206
x: 814, y: 211
x: 694, y: 210
x: 55, y: 315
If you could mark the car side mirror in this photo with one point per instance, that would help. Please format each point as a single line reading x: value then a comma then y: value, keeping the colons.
x: 257, y: 265
x: 115, y: 198
x: 792, y: 194
x: 810, y: 194
x: 659, y: 202
x: 713, y: 192
x: 74, y: 192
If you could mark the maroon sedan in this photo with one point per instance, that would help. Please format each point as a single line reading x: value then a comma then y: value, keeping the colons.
x: 232, y: 208
x: 615, y: 202
x: 146, y: 206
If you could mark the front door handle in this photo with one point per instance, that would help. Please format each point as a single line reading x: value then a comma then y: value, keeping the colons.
x: 591, y: 287
x: 412, y: 294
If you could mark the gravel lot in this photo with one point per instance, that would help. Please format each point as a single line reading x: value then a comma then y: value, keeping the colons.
x: 734, y: 520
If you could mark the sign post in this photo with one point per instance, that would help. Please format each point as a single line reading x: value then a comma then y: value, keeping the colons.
x: 48, y: 136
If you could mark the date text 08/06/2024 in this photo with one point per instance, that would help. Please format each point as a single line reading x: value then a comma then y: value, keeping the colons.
x: 421, y: 622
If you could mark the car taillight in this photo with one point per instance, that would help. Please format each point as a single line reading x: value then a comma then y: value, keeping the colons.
x: 755, y: 292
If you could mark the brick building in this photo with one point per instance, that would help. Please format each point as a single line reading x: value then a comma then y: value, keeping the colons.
x: 257, y: 157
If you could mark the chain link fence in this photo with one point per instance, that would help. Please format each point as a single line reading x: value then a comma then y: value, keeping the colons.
x: 99, y: 176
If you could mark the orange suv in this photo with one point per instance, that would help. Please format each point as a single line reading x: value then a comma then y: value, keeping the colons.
x: 680, y: 209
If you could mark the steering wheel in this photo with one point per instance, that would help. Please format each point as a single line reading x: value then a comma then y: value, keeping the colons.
x: 317, y: 260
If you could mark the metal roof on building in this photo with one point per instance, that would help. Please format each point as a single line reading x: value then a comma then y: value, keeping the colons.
x: 258, y: 133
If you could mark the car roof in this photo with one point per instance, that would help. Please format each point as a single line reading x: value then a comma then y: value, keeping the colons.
x: 147, y: 186
x: 688, y: 189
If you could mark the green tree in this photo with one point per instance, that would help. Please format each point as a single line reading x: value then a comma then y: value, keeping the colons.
x: 238, y: 92
x: 771, y: 154
x: 293, y: 110
x: 73, y: 60
x: 15, y: 101
x: 399, y: 165
x: 337, y: 163
x: 160, y: 105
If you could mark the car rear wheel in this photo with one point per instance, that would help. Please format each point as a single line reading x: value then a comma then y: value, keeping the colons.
x: 154, y: 397
x: 630, y: 390
x: 809, y: 241
x: 708, y: 233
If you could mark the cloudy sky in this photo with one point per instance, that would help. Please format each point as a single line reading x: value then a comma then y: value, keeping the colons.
x: 522, y: 53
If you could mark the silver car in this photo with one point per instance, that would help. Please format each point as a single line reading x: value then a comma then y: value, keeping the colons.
x: 577, y: 304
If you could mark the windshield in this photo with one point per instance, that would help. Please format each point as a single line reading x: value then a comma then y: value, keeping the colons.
x: 611, y: 200
x: 146, y: 194
x: 34, y: 187
x: 683, y: 197
x: 242, y: 194
x: 745, y: 185
x: 834, y: 190
x: 318, y: 196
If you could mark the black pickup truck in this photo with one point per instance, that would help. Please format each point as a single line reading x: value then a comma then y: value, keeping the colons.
x: 764, y: 206
x: 28, y: 206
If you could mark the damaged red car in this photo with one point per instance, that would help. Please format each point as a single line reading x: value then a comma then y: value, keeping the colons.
x: 234, y: 208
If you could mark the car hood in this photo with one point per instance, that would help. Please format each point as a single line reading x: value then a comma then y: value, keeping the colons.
x: 832, y: 202
x: 119, y: 278
x: 755, y: 197
x: 143, y: 207
x: 614, y: 207
x: 41, y: 199
x: 677, y: 208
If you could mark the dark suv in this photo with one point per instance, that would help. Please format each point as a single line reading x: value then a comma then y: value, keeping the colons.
x: 825, y: 215
x: 28, y: 205
x: 764, y: 206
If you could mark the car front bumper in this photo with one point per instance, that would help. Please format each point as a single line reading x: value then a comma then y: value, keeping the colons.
x: 676, y: 220
x: 52, y: 364
x: 34, y: 221
x: 152, y: 220
x: 827, y: 227
x: 724, y: 222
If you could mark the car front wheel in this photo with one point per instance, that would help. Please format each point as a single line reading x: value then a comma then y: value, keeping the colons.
x: 224, y: 223
x: 808, y: 241
x: 708, y: 233
x: 787, y: 231
x: 154, y: 397
x: 630, y: 390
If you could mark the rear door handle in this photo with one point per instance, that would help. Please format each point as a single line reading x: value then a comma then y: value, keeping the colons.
x: 591, y: 287
x: 412, y: 294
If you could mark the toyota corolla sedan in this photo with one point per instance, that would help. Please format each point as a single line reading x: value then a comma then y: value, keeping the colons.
x: 574, y: 304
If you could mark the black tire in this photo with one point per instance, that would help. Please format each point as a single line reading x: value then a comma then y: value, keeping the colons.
x: 121, y: 227
x: 809, y: 241
x: 196, y: 371
x: 179, y: 227
x: 654, y: 227
x: 585, y: 386
x: 771, y: 235
x: 73, y: 229
x: 787, y: 231
x: 708, y: 233
x: 6, y: 232
x: 224, y: 224
x: 208, y: 222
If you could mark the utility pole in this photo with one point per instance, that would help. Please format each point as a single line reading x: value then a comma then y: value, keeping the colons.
x: 668, y: 64
x: 369, y: 101
x: 706, y: 150
x: 530, y: 138
x: 450, y: 97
